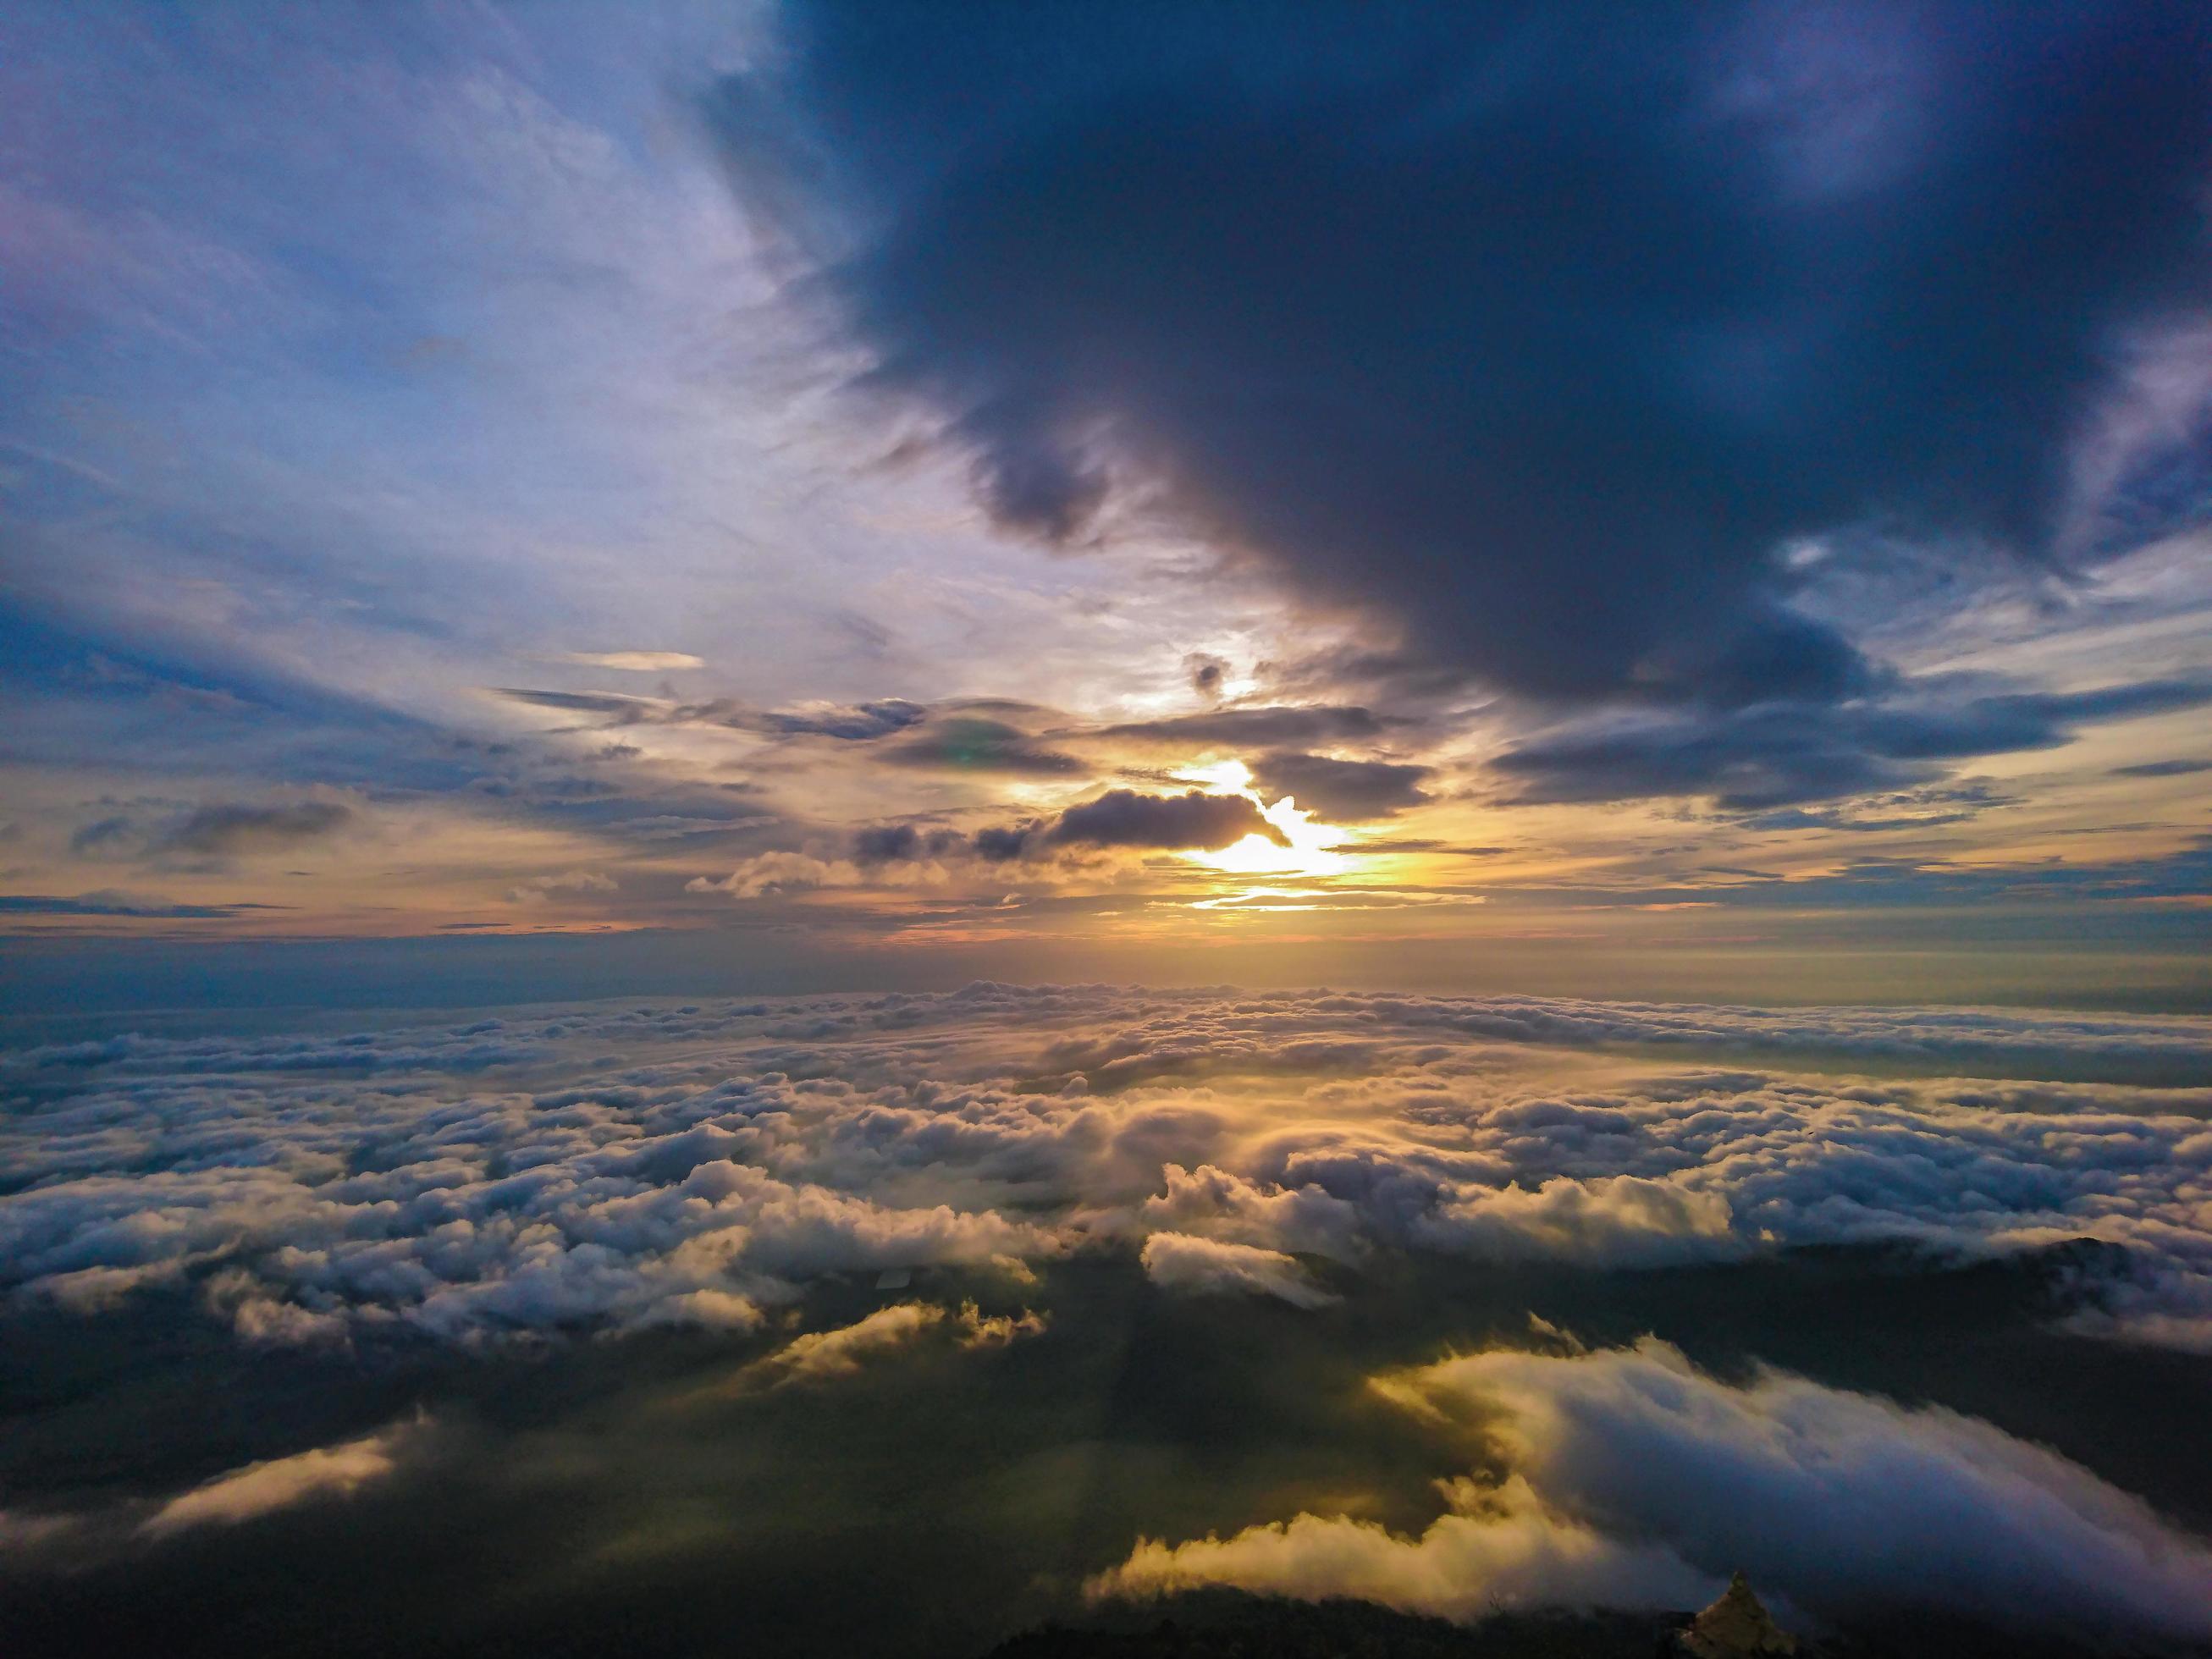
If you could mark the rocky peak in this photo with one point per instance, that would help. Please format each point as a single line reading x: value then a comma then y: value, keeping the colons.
x: 1737, y: 1626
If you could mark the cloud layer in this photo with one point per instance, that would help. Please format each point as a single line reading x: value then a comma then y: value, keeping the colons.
x: 702, y: 1164
x: 1177, y: 1262
x: 824, y: 1190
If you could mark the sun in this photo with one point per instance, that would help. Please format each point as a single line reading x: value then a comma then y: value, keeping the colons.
x: 1309, y: 853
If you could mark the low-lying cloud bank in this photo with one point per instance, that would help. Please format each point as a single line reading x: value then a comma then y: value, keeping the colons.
x: 632, y: 1166
x: 260, y: 1489
x: 279, y: 1483
x: 1629, y: 1477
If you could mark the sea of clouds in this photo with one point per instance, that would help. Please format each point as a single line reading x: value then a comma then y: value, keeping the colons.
x: 605, y: 1169
x: 700, y: 1164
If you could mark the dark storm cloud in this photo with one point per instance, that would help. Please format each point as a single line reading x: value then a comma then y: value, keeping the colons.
x: 1122, y: 818
x: 1206, y: 673
x: 1340, y: 790
x: 1535, y: 333
x: 999, y: 843
x: 1782, y: 754
x: 898, y: 843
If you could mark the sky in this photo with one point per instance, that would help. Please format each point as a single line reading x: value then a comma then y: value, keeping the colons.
x: 500, y: 501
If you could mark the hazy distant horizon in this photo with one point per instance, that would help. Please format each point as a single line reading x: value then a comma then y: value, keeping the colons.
x: 114, y: 981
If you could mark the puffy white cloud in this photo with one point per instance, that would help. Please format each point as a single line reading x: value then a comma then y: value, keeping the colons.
x: 632, y: 1165
x: 259, y: 1317
x: 1632, y: 1478
x: 1216, y: 1203
x: 1177, y: 1262
x: 779, y: 871
x: 1625, y: 1220
x: 535, y: 891
x: 334, y: 1207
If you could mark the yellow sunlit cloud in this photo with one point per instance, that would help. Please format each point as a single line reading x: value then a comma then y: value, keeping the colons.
x: 1229, y: 777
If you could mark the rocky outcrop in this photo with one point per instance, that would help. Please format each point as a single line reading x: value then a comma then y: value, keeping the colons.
x: 1737, y: 1626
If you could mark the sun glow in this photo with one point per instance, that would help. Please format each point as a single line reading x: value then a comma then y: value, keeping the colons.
x: 1310, y: 852
x: 1219, y: 777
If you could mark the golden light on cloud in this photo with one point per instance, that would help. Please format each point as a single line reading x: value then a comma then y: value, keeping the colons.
x: 1311, y: 851
x: 634, y: 662
x: 1219, y: 777
x: 1310, y: 848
